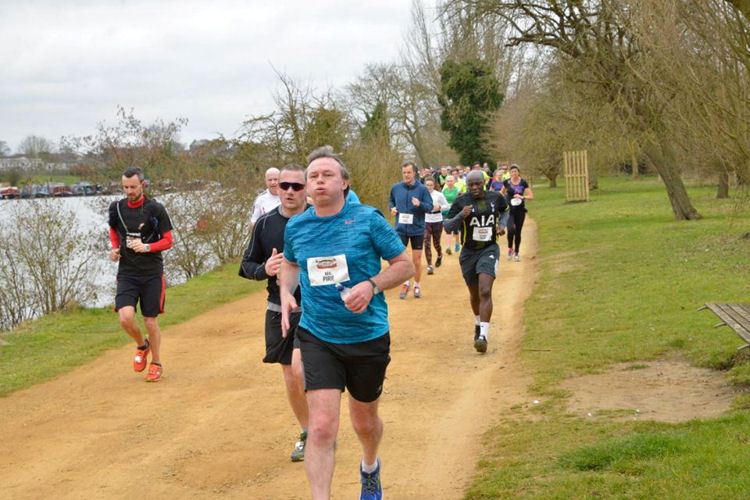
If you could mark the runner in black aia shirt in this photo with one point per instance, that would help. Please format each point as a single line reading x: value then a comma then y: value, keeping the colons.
x: 145, y: 229
x: 481, y: 216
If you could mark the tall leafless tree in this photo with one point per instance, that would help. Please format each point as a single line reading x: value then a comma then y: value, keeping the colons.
x: 594, y: 37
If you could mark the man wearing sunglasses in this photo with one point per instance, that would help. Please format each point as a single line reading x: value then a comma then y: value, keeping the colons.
x: 333, y: 252
x: 262, y: 261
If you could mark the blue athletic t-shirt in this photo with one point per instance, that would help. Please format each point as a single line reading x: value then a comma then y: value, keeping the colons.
x: 344, y: 248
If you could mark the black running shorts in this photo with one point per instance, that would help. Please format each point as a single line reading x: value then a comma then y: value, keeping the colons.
x: 476, y: 262
x: 359, y: 367
x: 148, y: 290
x: 278, y: 348
x: 417, y: 242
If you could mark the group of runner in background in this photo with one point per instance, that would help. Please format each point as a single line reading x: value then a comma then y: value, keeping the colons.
x: 449, y: 183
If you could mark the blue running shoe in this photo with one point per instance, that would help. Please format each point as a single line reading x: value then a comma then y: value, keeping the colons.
x: 371, y: 488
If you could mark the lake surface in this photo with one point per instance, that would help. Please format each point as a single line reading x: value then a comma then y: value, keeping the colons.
x: 91, y: 216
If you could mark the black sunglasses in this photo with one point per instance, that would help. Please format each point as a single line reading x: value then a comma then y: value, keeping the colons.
x: 294, y: 185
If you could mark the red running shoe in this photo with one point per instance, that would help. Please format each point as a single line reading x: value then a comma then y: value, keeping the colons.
x: 154, y: 373
x: 141, y: 358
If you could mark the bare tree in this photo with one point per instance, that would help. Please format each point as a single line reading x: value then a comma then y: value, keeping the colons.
x: 49, y: 261
x: 34, y: 145
x: 602, y: 53
x: 154, y: 147
x: 304, y: 119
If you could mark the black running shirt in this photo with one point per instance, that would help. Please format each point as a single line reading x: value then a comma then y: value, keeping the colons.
x: 513, y: 189
x: 268, y: 233
x: 479, y: 229
x: 150, y: 221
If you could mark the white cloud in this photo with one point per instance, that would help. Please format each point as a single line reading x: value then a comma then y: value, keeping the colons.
x: 65, y: 66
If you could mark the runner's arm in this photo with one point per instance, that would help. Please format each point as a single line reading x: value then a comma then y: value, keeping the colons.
x: 444, y: 205
x: 256, y: 213
x: 288, y: 282
x: 114, y: 238
x: 425, y: 202
x: 400, y: 268
x: 454, y: 218
x: 165, y: 243
x: 253, y: 266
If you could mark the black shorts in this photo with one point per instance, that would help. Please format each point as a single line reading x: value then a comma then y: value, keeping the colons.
x: 417, y: 242
x: 476, y: 262
x: 358, y: 367
x: 278, y: 348
x: 148, y: 290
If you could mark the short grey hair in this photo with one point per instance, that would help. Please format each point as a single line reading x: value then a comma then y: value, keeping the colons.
x: 328, y: 152
x: 131, y: 171
x: 473, y: 176
x: 292, y: 167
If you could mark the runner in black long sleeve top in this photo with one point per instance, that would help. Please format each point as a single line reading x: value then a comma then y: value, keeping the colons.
x: 262, y: 261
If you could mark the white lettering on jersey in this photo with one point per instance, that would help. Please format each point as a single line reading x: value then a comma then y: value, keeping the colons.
x: 483, y: 221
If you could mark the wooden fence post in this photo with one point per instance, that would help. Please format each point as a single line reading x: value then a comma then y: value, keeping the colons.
x: 576, y: 167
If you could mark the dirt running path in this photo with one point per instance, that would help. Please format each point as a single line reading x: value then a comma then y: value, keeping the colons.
x: 219, y: 425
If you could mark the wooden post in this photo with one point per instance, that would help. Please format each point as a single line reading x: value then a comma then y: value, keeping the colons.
x: 576, y: 168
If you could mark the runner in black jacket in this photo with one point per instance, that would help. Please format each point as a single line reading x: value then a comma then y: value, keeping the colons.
x: 262, y: 261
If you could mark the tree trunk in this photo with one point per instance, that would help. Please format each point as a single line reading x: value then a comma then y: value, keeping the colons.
x: 552, y: 181
x: 662, y: 157
x: 722, y: 190
x: 634, y: 161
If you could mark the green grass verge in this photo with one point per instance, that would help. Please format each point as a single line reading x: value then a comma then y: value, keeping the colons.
x: 42, y: 349
x: 563, y: 458
x: 621, y: 281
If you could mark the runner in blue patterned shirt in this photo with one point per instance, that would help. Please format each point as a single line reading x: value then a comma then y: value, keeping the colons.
x: 333, y: 251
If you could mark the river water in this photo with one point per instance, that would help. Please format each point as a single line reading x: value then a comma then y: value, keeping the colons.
x: 90, y: 217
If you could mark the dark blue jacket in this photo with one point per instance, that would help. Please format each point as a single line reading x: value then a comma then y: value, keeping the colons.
x: 401, y: 196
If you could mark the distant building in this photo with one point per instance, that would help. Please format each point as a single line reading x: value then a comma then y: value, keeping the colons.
x: 20, y: 162
x: 26, y: 164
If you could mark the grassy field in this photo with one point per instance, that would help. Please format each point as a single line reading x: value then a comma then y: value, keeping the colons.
x: 42, y: 349
x: 621, y: 282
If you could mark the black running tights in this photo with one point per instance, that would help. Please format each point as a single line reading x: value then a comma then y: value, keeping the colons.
x: 515, y: 224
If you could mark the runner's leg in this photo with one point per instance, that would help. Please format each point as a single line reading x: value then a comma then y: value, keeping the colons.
x: 511, y: 231
x: 127, y: 322
x: 437, y: 233
x: 474, y: 299
x: 295, y: 392
x: 324, y: 405
x: 154, y: 338
x: 520, y: 218
x: 368, y: 426
x: 416, y: 257
x: 484, y: 290
x: 427, y: 248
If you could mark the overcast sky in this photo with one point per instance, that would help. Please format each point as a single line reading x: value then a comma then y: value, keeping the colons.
x: 66, y: 65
